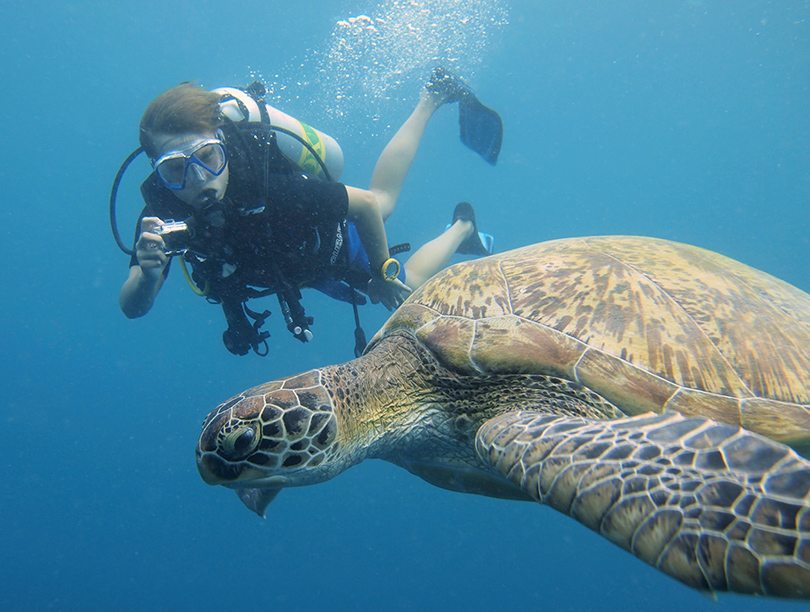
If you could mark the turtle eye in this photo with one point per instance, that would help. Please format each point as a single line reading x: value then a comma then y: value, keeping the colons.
x: 239, y: 442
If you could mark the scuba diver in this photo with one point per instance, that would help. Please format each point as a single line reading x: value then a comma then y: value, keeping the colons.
x: 249, y: 198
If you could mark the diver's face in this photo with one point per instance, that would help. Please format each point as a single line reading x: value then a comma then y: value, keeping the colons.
x: 190, y: 167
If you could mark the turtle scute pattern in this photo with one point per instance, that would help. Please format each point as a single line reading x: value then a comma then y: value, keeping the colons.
x: 715, y: 506
x: 650, y: 325
x: 284, y: 425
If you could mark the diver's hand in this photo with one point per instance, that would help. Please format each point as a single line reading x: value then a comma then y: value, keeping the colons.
x: 151, y: 250
x: 390, y: 293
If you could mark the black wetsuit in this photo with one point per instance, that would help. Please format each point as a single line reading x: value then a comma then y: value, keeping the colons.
x: 275, y: 231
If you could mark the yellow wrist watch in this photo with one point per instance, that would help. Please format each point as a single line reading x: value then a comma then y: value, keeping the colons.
x: 390, y: 270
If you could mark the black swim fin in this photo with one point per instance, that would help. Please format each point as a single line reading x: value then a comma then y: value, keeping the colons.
x: 481, y: 128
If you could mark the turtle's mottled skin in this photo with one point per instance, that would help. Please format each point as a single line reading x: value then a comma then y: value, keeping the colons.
x: 650, y: 390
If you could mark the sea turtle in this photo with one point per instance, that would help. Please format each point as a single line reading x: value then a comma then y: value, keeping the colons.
x: 650, y: 390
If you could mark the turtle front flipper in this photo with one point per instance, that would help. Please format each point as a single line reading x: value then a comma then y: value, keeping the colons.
x: 715, y: 506
x: 256, y: 499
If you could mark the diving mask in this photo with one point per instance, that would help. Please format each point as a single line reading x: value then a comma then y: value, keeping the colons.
x: 198, y: 156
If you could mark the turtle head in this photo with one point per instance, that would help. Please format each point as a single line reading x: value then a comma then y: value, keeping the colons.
x: 280, y: 434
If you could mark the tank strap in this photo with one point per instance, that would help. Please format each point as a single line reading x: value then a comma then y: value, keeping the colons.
x: 256, y: 90
x: 247, y: 108
x: 403, y: 247
x: 249, y: 102
x: 360, y: 341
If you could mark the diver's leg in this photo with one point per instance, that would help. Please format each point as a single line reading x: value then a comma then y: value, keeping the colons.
x: 396, y: 159
x: 434, y: 255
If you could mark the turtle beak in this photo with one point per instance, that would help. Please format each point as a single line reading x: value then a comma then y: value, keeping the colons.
x: 215, y: 471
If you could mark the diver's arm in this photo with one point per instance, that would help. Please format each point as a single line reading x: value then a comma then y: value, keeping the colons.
x: 146, y: 278
x: 138, y: 293
x: 364, y: 212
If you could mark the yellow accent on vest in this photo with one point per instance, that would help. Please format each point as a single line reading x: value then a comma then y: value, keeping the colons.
x: 191, y: 284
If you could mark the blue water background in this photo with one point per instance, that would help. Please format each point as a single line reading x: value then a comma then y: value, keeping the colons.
x: 682, y: 120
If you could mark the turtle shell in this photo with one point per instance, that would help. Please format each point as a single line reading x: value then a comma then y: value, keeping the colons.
x: 648, y: 324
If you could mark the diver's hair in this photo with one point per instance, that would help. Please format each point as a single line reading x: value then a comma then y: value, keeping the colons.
x: 182, y: 109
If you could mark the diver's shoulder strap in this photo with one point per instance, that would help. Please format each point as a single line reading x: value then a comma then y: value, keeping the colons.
x: 243, y: 104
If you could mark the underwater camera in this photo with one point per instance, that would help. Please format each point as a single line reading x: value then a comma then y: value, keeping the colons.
x: 171, y: 231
